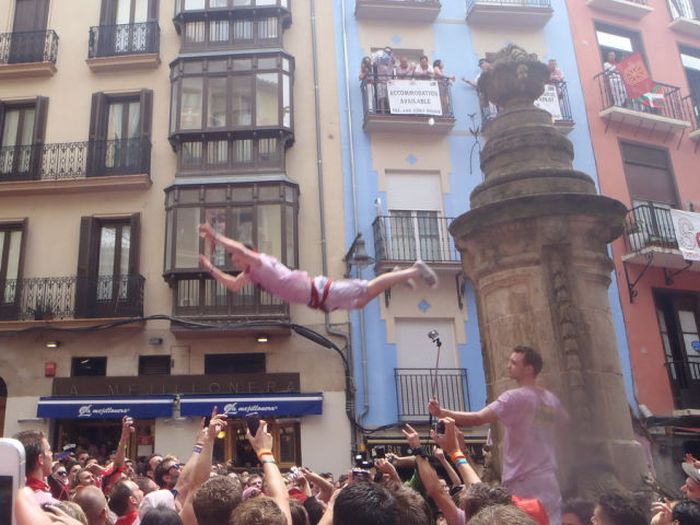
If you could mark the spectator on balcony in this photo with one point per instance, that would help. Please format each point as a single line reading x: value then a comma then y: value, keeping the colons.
x: 555, y: 74
x: 444, y: 82
x: 488, y: 109
x: 384, y: 63
x: 405, y: 68
x: 297, y: 287
x: 616, y: 86
x: 367, y: 79
x: 423, y: 69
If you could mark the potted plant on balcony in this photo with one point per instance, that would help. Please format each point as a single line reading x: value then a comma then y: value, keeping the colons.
x: 43, y: 311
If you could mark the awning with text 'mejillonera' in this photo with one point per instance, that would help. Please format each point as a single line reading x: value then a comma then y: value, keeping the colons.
x: 114, y: 407
x: 235, y: 405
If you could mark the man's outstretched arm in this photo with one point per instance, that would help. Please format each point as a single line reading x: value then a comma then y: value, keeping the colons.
x: 467, y: 419
x: 230, y: 282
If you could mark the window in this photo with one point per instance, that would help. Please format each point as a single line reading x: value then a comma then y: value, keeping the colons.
x: 242, y: 93
x: 232, y: 33
x: 214, y: 156
x: 684, y: 8
x: 690, y: 58
x: 622, y: 42
x: 108, y: 282
x: 88, y: 366
x: 234, y: 363
x: 263, y: 215
x: 194, y: 5
x: 22, y: 126
x: 120, y: 132
x: 11, y: 251
x: 150, y: 365
x: 127, y: 26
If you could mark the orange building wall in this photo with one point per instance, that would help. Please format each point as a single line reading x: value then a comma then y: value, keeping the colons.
x: 661, y: 47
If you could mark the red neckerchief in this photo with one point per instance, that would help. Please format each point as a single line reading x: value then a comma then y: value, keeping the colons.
x: 127, y: 519
x: 38, y: 485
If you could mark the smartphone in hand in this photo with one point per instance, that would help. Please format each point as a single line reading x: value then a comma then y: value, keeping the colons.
x: 12, y: 474
x: 252, y: 420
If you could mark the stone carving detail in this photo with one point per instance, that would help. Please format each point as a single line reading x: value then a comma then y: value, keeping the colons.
x: 516, y: 76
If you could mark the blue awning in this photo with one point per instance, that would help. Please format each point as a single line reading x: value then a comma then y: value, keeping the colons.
x: 105, y: 407
x: 238, y: 405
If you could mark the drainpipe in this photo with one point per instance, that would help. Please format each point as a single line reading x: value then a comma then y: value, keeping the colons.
x: 355, y: 214
x: 330, y: 329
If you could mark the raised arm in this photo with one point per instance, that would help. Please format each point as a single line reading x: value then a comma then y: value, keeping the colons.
x: 440, y: 455
x: 467, y: 419
x: 450, y: 443
x: 232, y: 283
x: 127, y: 430
x: 262, y: 444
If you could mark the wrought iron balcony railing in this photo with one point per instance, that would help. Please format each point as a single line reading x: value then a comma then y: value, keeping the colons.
x: 682, y: 9
x: 649, y: 225
x: 183, y: 6
x: 124, y: 39
x: 414, y: 235
x: 532, y: 4
x: 28, y: 47
x: 693, y: 111
x: 376, y: 100
x: 685, y: 381
x: 55, y: 298
x: 555, y: 100
x: 206, y: 298
x: 72, y: 160
x: 664, y: 101
x: 415, y: 387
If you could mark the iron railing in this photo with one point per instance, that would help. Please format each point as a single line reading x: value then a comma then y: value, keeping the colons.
x: 124, y: 39
x: 665, y: 100
x: 407, y: 3
x: 527, y: 4
x: 206, y: 298
x: 414, y: 235
x: 684, y: 375
x: 693, y: 111
x: 649, y: 225
x: 565, y: 116
x: 29, y: 46
x: 50, y: 298
x: 71, y: 160
x: 415, y: 387
x: 682, y: 9
x: 375, y: 100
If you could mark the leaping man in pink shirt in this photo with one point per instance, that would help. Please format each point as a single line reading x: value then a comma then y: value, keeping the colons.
x: 531, y: 416
x: 297, y: 287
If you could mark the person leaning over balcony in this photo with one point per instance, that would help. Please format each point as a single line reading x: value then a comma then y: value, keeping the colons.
x: 384, y: 63
x: 297, y: 287
x: 488, y: 109
x: 366, y: 77
x: 555, y: 74
x: 443, y: 83
x: 423, y: 69
x: 618, y: 92
x: 531, y: 416
x: 405, y: 68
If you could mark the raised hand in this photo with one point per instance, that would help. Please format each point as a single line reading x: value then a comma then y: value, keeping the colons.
x: 412, y: 437
x: 434, y: 407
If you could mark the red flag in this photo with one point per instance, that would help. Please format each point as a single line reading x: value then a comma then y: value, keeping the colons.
x: 635, y: 76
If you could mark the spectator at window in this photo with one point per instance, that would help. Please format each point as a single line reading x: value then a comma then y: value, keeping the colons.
x: 555, y: 74
x: 405, y: 68
x: 423, y: 70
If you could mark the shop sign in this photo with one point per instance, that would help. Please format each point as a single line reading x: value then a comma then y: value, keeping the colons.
x: 264, y: 405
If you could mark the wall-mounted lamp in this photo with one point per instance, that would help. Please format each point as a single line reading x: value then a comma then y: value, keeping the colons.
x: 53, y: 345
x: 262, y: 339
x: 155, y: 341
x: 356, y: 255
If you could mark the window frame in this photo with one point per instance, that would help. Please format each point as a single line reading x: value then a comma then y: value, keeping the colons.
x: 11, y: 310
x: 669, y: 171
x: 634, y: 36
x: 102, y: 360
x: 257, y: 358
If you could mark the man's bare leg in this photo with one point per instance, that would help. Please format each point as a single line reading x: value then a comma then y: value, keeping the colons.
x: 387, y: 280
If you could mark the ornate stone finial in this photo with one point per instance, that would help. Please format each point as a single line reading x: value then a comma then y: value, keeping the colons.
x: 516, y: 77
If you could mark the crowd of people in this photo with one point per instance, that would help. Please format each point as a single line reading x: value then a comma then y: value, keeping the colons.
x: 436, y: 483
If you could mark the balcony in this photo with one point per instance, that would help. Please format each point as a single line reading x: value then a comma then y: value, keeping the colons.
x: 401, y: 239
x: 28, y: 54
x: 71, y: 298
x: 554, y: 100
x: 124, y: 46
x: 663, y: 111
x: 75, y: 166
x: 407, y: 105
x: 203, y: 299
x: 405, y: 10
x: 685, y: 382
x: 694, y: 112
x: 531, y: 13
x: 636, y: 9
x: 415, y: 387
x: 684, y: 17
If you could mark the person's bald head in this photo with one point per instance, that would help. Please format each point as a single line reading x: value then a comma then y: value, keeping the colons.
x: 94, y: 505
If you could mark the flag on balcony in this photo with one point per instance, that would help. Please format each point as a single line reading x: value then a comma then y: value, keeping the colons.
x: 635, y: 76
x: 686, y: 226
x: 654, y: 98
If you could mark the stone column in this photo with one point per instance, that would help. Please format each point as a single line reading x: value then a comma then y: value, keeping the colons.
x: 534, y: 244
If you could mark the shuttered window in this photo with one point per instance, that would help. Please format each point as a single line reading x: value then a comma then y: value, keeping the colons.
x: 649, y: 174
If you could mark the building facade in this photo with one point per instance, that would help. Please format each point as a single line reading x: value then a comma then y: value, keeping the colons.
x: 411, y: 164
x: 125, y: 124
x: 646, y: 152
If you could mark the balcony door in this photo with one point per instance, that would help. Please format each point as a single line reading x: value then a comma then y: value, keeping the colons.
x: 22, y: 137
x: 119, y: 131
x: 10, y: 270
x: 690, y: 58
x: 29, y: 31
x: 108, y: 283
x: 679, y: 319
x: 124, y: 29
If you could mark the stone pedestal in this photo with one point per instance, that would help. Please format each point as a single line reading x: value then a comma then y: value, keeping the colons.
x: 534, y: 244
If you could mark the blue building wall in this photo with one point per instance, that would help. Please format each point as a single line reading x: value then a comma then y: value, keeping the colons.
x: 453, y: 44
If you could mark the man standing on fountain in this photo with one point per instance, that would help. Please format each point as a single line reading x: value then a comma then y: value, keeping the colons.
x: 530, y: 415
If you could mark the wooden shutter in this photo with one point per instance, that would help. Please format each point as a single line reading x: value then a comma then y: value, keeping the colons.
x: 40, y: 113
x: 153, y: 10
x: 85, y: 287
x: 98, y: 129
x: 146, y: 100
x: 108, y: 12
x: 134, y: 248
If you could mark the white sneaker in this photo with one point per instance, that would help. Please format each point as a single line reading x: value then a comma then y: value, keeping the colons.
x: 410, y: 283
x: 426, y: 273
